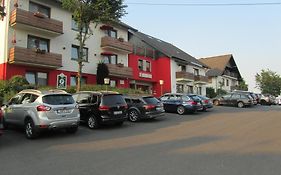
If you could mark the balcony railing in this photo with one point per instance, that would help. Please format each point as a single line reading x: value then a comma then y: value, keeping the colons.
x: 119, y: 70
x: 231, y: 74
x: 35, y: 58
x: 184, y: 76
x: 201, y: 79
x: 24, y: 19
x: 118, y: 45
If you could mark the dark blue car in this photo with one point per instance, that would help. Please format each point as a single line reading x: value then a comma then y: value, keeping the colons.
x: 180, y: 103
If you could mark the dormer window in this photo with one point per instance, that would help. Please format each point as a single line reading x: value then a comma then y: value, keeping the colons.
x: 39, y: 10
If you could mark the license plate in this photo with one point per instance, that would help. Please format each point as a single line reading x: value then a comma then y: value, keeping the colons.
x: 159, y: 108
x: 63, y: 111
x: 117, y: 112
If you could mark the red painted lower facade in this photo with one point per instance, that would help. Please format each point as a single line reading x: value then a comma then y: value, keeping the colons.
x: 149, y: 80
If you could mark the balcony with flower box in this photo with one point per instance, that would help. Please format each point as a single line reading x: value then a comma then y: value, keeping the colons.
x: 116, y: 45
x: 119, y: 70
x: 200, y: 79
x: 22, y: 19
x: 183, y: 76
x: 34, y: 58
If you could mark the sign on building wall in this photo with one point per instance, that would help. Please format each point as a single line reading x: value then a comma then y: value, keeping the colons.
x: 145, y: 75
x: 61, y: 81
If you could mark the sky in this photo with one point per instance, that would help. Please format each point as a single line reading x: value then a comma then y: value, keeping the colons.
x: 251, y: 33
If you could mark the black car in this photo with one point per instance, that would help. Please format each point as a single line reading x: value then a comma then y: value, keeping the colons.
x: 143, y: 108
x: 98, y: 108
x: 181, y: 103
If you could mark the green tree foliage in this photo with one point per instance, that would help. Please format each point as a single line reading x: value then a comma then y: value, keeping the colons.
x: 242, y: 85
x: 86, y: 12
x: 268, y: 82
x: 102, y: 72
x: 210, y: 92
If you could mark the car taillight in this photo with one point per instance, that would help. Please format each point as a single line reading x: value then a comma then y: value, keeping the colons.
x: 147, y: 107
x: 104, y: 108
x: 206, y: 101
x: 191, y: 102
x: 43, y: 108
x: 126, y: 106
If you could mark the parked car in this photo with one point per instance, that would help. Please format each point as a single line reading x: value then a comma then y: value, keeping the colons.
x: 180, y: 103
x: 37, y: 110
x: 253, y: 95
x: 145, y: 107
x: 1, y: 122
x: 234, y: 99
x: 206, y: 102
x: 278, y: 100
x: 98, y: 108
x: 267, y: 99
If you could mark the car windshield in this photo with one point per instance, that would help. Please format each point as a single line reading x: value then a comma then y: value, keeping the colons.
x: 113, y: 99
x: 58, y: 99
x: 151, y: 100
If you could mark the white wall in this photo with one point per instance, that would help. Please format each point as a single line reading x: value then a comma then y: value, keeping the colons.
x: 174, y: 69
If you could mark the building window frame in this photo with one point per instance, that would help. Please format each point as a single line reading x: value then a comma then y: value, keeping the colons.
x: 110, y: 59
x: 85, y: 52
x: 73, y: 80
x: 39, y: 8
x: 37, y: 78
x: 111, y: 33
x: 38, y: 43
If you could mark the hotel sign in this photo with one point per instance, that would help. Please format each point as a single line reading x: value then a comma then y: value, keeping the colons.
x: 145, y: 75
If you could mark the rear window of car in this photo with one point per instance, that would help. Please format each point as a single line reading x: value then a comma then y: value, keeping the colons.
x: 195, y: 98
x: 58, y: 99
x: 113, y: 99
x: 151, y: 100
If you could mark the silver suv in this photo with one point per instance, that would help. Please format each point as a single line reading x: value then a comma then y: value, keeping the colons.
x: 37, y: 110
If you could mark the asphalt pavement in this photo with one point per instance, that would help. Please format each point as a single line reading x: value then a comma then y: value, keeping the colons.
x: 222, y: 141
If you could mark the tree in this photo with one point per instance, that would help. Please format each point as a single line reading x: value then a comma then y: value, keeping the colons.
x: 210, y: 92
x: 102, y: 72
x: 268, y: 82
x: 242, y: 85
x: 87, y: 12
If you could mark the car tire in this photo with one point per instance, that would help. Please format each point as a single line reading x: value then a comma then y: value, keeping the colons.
x: 180, y: 110
x: 30, y: 131
x: 92, y: 122
x: 133, y: 115
x: 216, y: 103
x: 72, y: 130
x: 240, y: 104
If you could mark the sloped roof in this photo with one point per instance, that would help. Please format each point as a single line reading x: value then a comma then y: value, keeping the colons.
x: 167, y: 49
x: 217, y: 62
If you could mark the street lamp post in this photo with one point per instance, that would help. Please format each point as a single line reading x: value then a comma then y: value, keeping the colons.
x: 161, y: 82
x: 106, y: 82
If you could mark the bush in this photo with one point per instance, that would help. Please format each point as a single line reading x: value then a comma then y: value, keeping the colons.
x: 210, y: 92
x: 18, y: 83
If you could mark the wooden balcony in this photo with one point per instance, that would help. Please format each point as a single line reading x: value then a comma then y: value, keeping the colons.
x: 34, y: 58
x: 116, y: 45
x: 184, y: 76
x: 200, y: 79
x: 119, y: 70
x: 35, y: 21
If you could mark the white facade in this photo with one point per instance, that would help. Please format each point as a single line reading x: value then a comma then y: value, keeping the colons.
x: 61, y: 44
x: 223, y: 82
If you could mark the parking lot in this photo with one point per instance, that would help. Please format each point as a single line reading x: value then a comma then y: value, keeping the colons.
x: 224, y: 140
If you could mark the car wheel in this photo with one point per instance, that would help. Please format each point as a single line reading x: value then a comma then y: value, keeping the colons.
x: 240, y: 104
x: 72, y: 130
x: 92, y: 122
x: 133, y: 115
x: 180, y: 110
x: 30, y: 131
x: 216, y: 103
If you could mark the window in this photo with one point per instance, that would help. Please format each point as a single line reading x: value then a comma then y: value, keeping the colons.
x: 140, y: 64
x: 75, y: 53
x: 113, y: 83
x: 84, y: 98
x: 38, y: 43
x: 111, y: 59
x: 148, y: 66
x: 227, y: 82
x: 16, y: 99
x: 223, y: 82
x: 112, y: 33
x: 74, y: 26
x: 73, y: 80
x: 37, y: 78
x: 183, y: 68
x: 180, y: 88
x: 190, y: 89
x: 196, y: 72
x: 38, y: 8
x: 28, y: 98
